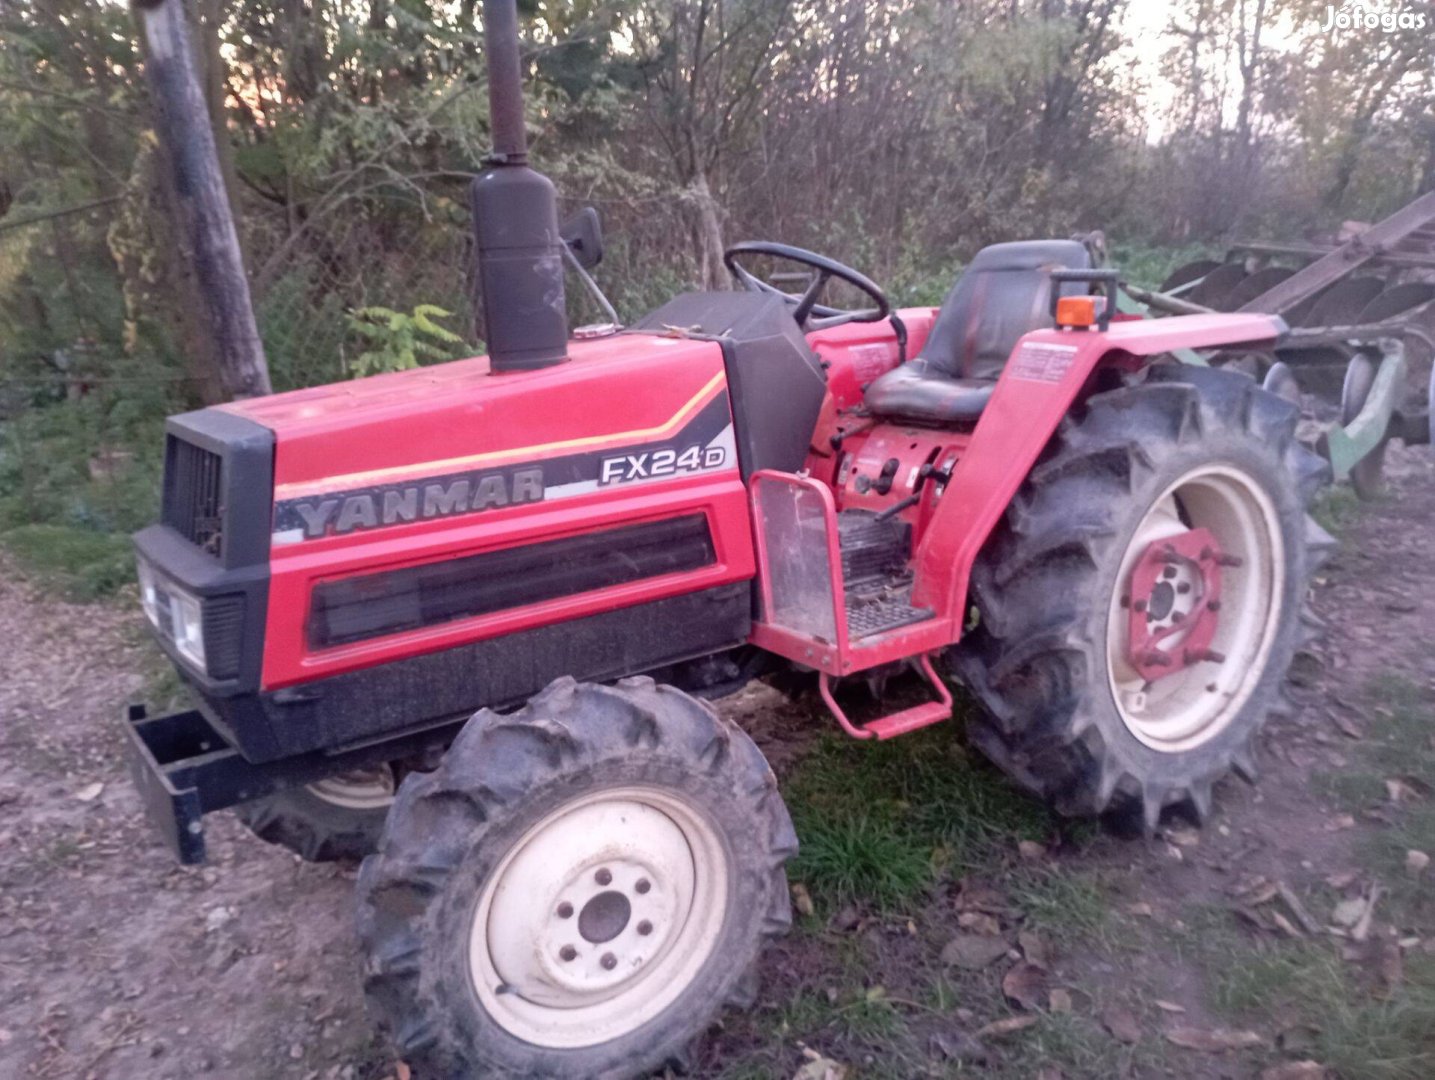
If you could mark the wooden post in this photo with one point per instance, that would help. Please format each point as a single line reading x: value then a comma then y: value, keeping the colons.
x: 205, y: 222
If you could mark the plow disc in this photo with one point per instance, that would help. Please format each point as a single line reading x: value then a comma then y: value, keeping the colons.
x: 1362, y: 319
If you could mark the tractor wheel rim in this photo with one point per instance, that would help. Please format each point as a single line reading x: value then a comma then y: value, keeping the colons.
x: 363, y: 789
x: 1191, y: 706
x: 599, y: 917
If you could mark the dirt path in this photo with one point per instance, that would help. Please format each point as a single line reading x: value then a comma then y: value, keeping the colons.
x: 116, y: 963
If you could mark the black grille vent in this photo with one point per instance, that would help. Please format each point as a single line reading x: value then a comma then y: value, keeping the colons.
x: 223, y: 635
x: 193, y: 501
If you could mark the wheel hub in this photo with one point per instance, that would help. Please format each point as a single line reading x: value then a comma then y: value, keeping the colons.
x: 1174, y: 604
x: 588, y: 911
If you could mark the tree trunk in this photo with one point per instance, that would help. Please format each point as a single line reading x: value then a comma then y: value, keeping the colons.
x: 203, y: 220
x: 707, y: 234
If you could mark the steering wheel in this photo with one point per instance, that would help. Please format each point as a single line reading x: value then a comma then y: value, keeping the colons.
x: 806, y: 305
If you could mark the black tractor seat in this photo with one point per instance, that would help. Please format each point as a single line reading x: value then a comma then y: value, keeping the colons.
x: 1003, y: 293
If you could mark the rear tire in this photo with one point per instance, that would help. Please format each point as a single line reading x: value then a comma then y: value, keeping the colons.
x: 577, y: 889
x: 1061, y: 717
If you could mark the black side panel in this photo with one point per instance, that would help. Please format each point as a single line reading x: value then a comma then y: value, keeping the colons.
x: 371, y: 605
x: 390, y: 699
x: 776, y: 382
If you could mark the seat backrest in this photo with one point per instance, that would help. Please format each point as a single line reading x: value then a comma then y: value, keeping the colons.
x: 1003, y: 293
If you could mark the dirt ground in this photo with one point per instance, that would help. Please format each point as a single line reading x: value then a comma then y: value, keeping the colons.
x: 115, y: 962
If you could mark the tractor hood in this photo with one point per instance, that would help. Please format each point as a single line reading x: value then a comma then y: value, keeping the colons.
x: 344, y: 451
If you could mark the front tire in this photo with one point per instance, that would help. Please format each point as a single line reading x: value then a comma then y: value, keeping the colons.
x: 577, y: 889
x: 337, y: 819
x: 1189, y: 453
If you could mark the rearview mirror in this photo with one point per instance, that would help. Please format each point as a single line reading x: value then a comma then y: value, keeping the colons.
x: 583, y: 233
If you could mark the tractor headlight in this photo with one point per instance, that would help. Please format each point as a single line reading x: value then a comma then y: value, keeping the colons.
x: 149, y: 596
x: 175, y: 613
x: 188, y: 626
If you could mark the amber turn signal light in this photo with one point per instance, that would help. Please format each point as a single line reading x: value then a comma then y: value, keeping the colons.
x: 1079, y: 310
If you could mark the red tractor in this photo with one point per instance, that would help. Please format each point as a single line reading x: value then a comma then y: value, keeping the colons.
x: 460, y: 619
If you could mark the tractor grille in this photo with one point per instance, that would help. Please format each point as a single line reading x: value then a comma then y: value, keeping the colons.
x: 193, y: 495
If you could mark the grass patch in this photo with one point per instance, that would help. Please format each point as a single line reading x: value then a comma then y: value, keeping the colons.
x: 1062, y: 904
x: 880, y: 823
x: 81, y: 563
x: 1080, y: 1046
x: 1357, y: 1030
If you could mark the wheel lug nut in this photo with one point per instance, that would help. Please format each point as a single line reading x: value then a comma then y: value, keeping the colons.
x: 568, y: 952
x: 1213, y: 605
x: 565, y: 910
x: 1140, y: 605
x: 643, y: 885
x: 609, y: 961
x: 1183, y: 588
x: 603, y: 877
x: 645, y: 928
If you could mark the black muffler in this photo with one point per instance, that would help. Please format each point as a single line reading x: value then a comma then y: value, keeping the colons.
x: 519, y: 271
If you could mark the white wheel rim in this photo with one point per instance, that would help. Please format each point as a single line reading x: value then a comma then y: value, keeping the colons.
x: 598, y: 918
x: 1191, y: 706
x: 367, y: 789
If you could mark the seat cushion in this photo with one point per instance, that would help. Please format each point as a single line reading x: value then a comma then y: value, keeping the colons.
x: 913, y: 392
x: 1004, y: 293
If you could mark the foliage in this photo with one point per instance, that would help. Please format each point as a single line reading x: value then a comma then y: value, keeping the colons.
x: 897, y: 136
x: 398, y: 340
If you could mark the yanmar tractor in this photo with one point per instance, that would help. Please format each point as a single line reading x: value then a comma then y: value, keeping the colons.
x: 460, y: 619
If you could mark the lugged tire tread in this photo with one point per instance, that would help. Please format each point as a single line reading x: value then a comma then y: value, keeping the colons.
x: 1027, y: 662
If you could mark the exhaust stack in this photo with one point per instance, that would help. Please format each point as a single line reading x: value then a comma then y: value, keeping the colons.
x: 519, y: 269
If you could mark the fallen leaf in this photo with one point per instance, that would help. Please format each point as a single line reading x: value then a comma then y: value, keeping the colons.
x: 1049, y: 1072
x: 1348, y: 912
x: 1031, y: 850
x: 1033, y: 947
x: 1140, y: 910
x: 1214, y: 1041
x: 1341, y: 879
x: 821, y: 1068
x: 802, y: 900
x: 957, y: 1046
x: 846, y: 919
x: 1122, y: 1024
x: 974, y: 951
x: 1416, y: 862
x: 1025, y: 985
x: 979, y: 922
x: 998, y: 1028
x: 1400, y: 790
x: 1285, y: 926
x: 1263, y: 894
x: 1169, y: 1006
x: 90, y: 792
x: 1295, y: 1070
x: 1339, y: 822
x: 980, y: 898
x: 1060, y: 1001
x: 1183, y: 837
x: 1349, y: 728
